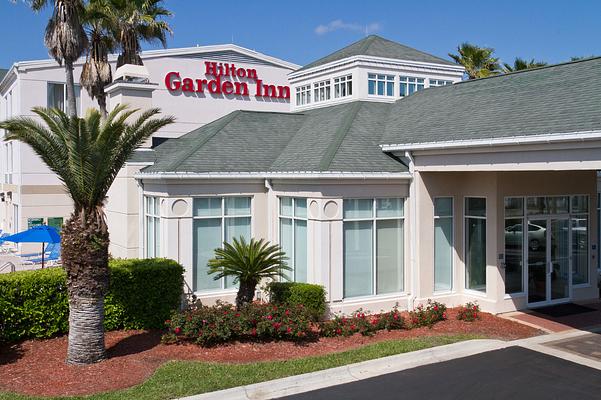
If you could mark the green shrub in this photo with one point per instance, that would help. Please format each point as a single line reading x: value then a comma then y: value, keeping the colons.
x: 222, y: 323
x: 142, y: 294
x: 312, y: 297
x: 469, y: 312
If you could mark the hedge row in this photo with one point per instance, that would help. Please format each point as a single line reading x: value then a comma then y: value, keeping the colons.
x: 292, y: 294
x: 142, y: 294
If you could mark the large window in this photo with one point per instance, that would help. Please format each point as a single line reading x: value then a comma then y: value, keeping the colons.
x: 409, y: 85
x: 293, y: 236
x: 475, y: 243
x: 57, y: 96
x: 216, y: 220
x: 303, y: 95
x: 373, y: 246
x: 439, y: 82
x: 153, y: 226
x: 321, y: 90
x: 599, y: 231
x: 443, y: 243
x: 514, y: 244
x: 380, y: 85
x: 343, y: 86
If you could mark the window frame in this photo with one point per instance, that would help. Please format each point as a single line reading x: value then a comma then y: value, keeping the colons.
x: 303, y: 95
x: 438, y: 82
x: 465, y: 247
x: 78, y: 105
x: 386, y: 80
x: 406, y: 80
x: 452, y: 248
x: 222, y: 217
x: 293, y: 218
x: 154, y: 216
x: 322, y: 91
x: 374, y: 267
x: 346, y: 82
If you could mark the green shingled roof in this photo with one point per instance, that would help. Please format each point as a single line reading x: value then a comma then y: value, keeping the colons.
x: 562, y: 98
x: 342, y: 138
x: 377, y: 46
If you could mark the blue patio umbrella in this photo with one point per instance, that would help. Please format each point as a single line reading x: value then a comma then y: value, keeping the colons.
x: 38, y: 234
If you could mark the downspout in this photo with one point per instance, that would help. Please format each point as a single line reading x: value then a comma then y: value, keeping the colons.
x: 412, y: 232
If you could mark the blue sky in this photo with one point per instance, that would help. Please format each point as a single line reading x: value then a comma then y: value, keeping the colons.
x: 302, y: 31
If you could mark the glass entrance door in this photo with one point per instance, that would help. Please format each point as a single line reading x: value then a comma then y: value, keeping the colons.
x: 548, y: 260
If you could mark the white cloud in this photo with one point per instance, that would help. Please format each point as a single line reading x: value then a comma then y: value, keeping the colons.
x: 338, y: 24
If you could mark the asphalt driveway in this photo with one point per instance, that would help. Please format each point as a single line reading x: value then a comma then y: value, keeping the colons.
x: 511, y: 373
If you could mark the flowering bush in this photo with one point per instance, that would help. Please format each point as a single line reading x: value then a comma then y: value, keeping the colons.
x: 221, y: 323
x: 359, y: 322
x: 469, y: 312
x: 432, y: 313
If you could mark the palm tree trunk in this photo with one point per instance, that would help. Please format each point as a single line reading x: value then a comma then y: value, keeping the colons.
x: 85, y: 259
x: 246, y: 293
x: 71, y: 102
x: 102, y: 104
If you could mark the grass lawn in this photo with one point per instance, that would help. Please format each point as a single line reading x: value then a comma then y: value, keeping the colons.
x: 185, y: 378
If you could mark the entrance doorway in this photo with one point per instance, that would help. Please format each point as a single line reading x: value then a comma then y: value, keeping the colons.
x: 548, y: 249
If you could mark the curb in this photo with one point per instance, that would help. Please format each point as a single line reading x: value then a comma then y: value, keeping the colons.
x: 353, y: 372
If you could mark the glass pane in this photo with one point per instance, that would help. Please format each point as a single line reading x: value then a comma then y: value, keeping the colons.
x: 149, y: 237
x: 514, y: 253
x: 389, y: 208
x: 207, y: 207
x: 390, y: 88
x: 149, y: 205
x: 78, y: 99
x: 207, y: 238
x: 536, y: 205
x: 403, y: 89
x: 358, y: 208
x: 514, y: 207
x: 371, y: 87
x: 157, y: 237
x: 358, y: 256
x: 558, y: 205
x: 560, y: 259
x: 381, y: 88
x: 475, y: 206
x: 234, y: 228
x: 443, y: 207
x: 157, y: 206
x: 580, y: 250
x: 286, y: 243
x: 537, y: 261
x: 389, y: 256
x: 443, y: 253
x: 286, y: 206
x: 56, y: 96
x: 300, y: 251
x: 476, y: 254
x: 580, y: 204
x: 237, y: 206
x: 300, y: 208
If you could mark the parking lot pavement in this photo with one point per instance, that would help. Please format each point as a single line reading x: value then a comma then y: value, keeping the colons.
x: 510, y: 373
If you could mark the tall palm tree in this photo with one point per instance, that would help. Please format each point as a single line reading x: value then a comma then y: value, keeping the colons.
x: 65, y: 39
x: 248, y: 263
x: 86, y: 154
x: 96, y: 71
x: 477, y: 61
x: 135, y: 21
x: 519, y: 64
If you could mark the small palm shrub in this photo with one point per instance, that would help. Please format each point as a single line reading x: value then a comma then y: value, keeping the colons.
x: 248, y: 263
x: 432, y: 313
x: 223, y: 323
x: 469, y: 312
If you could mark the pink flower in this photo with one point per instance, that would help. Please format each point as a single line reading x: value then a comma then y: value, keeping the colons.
x: 269, y: 317
x: 178, y: 330
x: 288, y: 330
x: 444, y: 315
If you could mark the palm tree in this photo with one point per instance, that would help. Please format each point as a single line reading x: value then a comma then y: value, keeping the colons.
x: 86, y: 154
x: 519, y: 64
x: 96, y: 71
x: 477, y: 61
x: 65, y: 39
x: 248, y: 263
x: 135, y: 21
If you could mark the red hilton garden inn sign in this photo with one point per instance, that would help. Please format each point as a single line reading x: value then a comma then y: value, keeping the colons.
x: 238, y: 86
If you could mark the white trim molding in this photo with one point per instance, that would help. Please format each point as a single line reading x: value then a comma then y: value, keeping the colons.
x: 272, y: 175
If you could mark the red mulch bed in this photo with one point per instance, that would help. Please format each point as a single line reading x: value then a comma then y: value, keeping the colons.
x: 37, y: 367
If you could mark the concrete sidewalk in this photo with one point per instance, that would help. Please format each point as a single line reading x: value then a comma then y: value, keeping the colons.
x: 547, y: 344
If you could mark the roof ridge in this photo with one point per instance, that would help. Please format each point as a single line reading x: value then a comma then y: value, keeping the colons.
x: 341, y: 133
x: 531, y: 69
x: 221, y: 122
